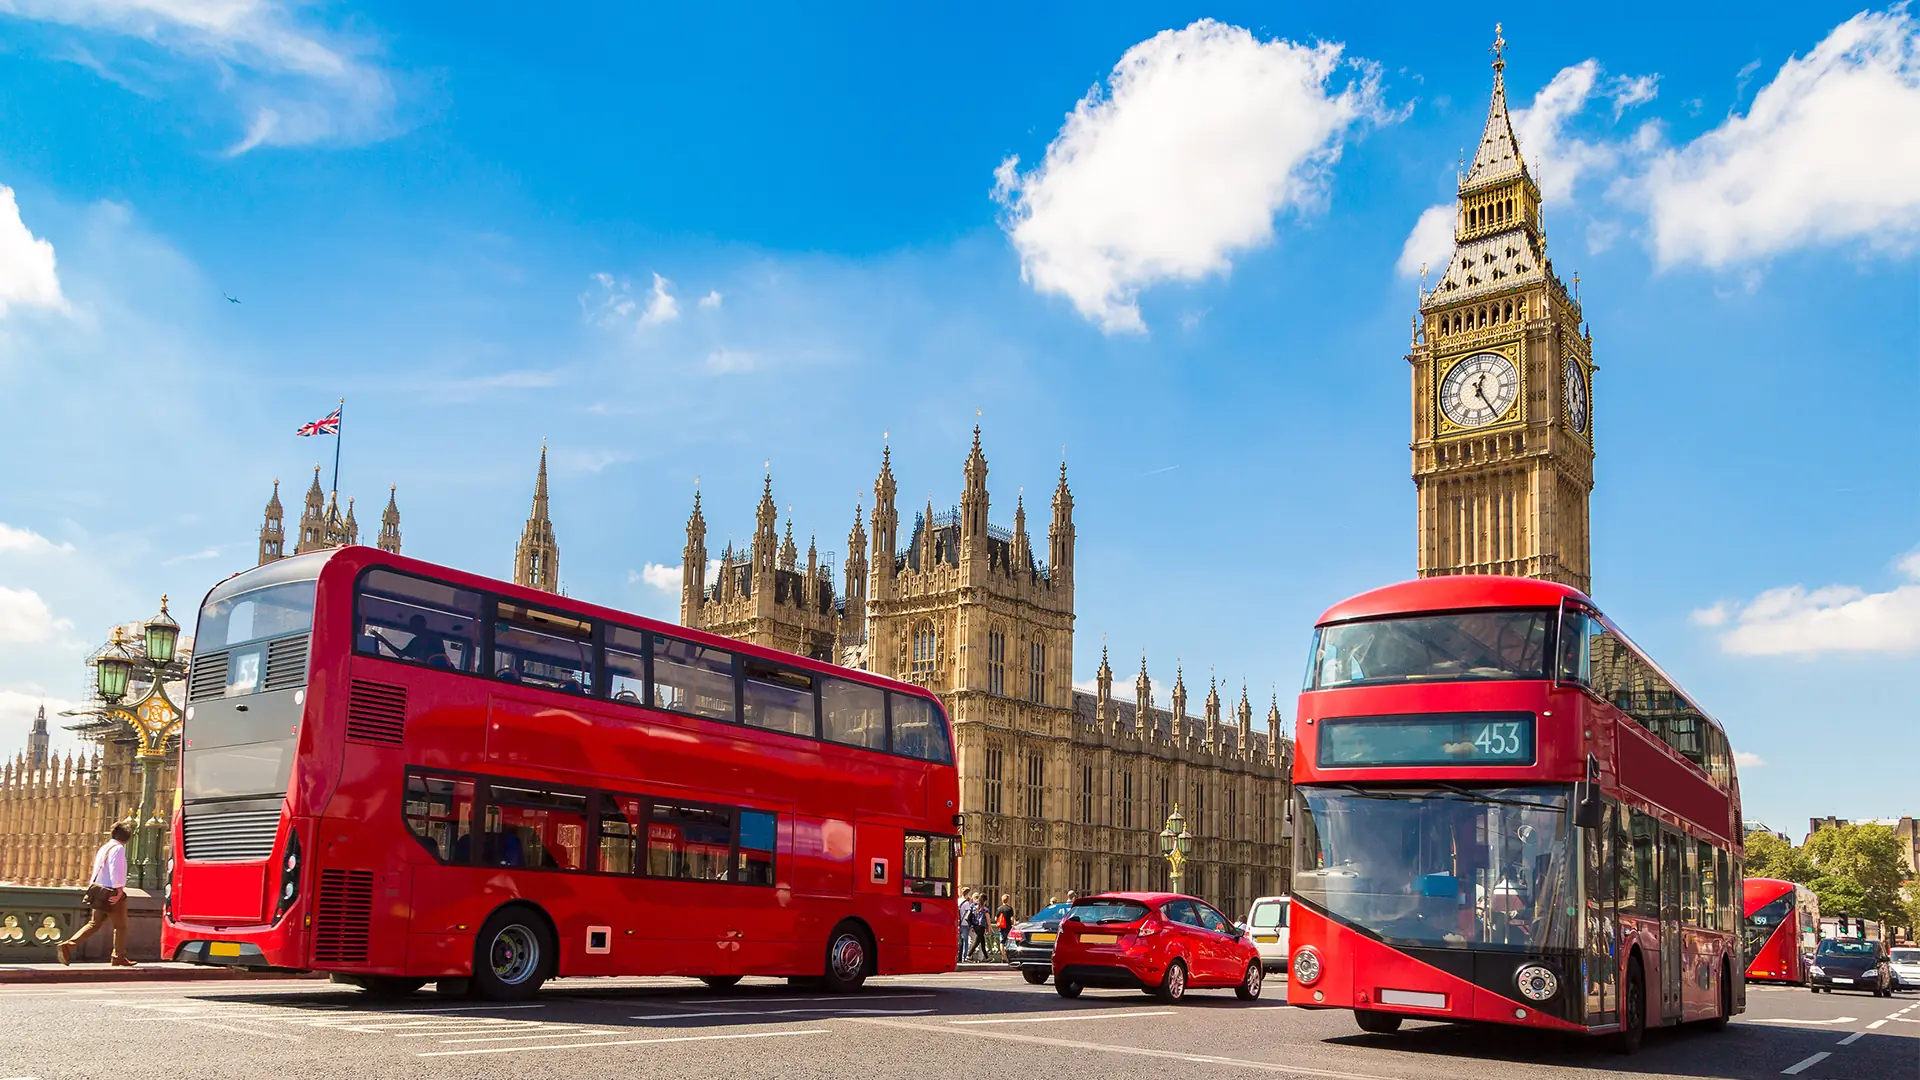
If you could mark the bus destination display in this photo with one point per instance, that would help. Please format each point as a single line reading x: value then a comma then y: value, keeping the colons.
x: 1502, y: 738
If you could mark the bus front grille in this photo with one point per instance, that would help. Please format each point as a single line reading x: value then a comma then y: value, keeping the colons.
x: 343, y: 918
x: 233, y: 837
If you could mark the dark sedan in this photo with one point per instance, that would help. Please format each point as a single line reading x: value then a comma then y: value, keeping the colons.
x: 1030, y: 944
x: 1850, y: 965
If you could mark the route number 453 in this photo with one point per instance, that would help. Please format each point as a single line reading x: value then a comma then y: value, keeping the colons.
x: 1499, y: 740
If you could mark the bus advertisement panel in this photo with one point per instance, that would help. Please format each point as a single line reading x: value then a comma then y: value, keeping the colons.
x: 398, y: 772
x: 1507, y: 813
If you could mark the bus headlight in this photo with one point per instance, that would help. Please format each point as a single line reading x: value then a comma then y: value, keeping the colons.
x: 1306, y: 966
x: 1537, y: 982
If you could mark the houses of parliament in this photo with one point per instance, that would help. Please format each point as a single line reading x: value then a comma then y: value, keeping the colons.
x: 1064, y: 789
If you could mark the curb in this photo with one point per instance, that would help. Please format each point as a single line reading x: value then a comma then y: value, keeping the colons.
x: 152, y: 972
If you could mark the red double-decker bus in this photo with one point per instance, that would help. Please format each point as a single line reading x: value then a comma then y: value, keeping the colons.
x: 1507, y: 813
x: 1781, y: 928
x: 399, y: 772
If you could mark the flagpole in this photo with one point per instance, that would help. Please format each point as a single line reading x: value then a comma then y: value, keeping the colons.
x: 338, y: 428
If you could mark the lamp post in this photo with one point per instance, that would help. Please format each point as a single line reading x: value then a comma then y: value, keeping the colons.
x: 1176, y: 843
x: 154, y: 719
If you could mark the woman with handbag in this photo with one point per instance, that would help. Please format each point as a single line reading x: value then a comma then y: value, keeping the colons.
x: 107, y: 896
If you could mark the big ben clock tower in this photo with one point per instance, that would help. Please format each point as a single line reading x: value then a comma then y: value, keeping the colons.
x: 1502, y: 384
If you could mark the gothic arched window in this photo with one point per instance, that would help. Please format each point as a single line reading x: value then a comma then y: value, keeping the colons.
x: 997, y: 662
x: 1037, y: 673
x: 923, y: 649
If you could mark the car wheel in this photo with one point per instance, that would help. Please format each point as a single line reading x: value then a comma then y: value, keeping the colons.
x: 1249, y: 988
x: 1066, y: 988
x: 847, y: 959
x: 1173, y: 985
x: 1376, y: 1023
x: 1036, y: 976
x: 512, y: 955
x: 1633, y: 1013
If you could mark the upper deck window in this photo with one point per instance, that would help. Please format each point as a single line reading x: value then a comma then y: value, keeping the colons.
x: 1468, y: 645
x: 268, y: 612
x: 402, y: 617
x: 542, y: 648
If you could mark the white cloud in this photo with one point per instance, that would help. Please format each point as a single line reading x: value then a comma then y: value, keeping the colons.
x: 1747, y: 759
x: 27, y: 276
x: 1199, y: 137
x: 1630, y: 90
x: 18, y: 704
x: 294, y: 83
x: 1087, y: 686
x: 25, y: 618
x: 661, y: 306
x: 731, y: 361
x: 711, y: 301
x: 197, y: 556
x: 1828, y: 153
x: 1796, y: 620
x: 665, y: 578
x: 27, y: 541
x: 1430, y: 244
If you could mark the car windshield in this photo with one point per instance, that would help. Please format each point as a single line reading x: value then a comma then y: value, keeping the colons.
x: 1906, y: 956
x: 1050, y: 913
x: 1486, y: 867
x: 1499, y: 644
x: 1849, y: 948
x: 1098, y: 910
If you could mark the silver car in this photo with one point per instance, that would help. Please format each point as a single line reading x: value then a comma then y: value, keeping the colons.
x: 1905, y: 962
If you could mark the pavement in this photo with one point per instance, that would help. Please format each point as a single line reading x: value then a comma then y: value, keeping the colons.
x: 978, y: 1024
x: 84, y: 974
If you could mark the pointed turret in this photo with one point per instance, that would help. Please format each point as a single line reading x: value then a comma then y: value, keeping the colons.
x: 973, y: 503
x: 1273, y: 729
x: 766, y: 537
x: 1103, y: 695
x: 1498, y: 156
x: 886, y: 525
x: 1213, y: 705
x: 1244, y: 714
x: 853, y: 616
x: 693, y: 566
x: 1143, y: 725
x: 38, y: 740
x: 273, y: 531
x: 1179, y: 702
x: 1021, y: 546
x: 536, y: 561
x: 789, y: 555
x: 313, y: 518
x: 1060, y: 536
x: 390, y: 522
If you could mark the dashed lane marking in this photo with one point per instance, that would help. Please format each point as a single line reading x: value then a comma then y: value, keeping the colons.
x: 256, y: 1032
x: 781, y: 1012
x: 626, y: 1042
x: 1797, y: 1069
x: 1851, y: 1039
x: 1056, y: 1017
x: 575, y: 1034
x: 1876, y: 1024
x: 1793, y: 1020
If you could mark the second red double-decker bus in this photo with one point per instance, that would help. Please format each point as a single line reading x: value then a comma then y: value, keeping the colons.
x: 1782, y: 925
x: 399, y: 772
x: 1507, y: 813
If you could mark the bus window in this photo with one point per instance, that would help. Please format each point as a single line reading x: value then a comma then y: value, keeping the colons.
x: 1689, y: 884
x: 439, y: 812
x: 919, y: 730
x: 533, y: 828
x: 1575, y: 626
x: 754, y: 865
x: 542, y: 648
x: 689, y: 842
x: 1709, y: 905
x: 776, y: 698
x: 853, y: 714
x: 692, y: 679
x: 619, y: 835
x: 927, y: 868
x: 418, y: 621
x: 626, y: 665
x: 1645, y: 886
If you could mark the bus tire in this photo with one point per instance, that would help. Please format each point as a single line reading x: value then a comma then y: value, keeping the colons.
x: 1719, y: 1022
x: 512, y: 955
x: 1633, y: 1010
x: 850, y: 958
x: 1374, y: 1022
x: 720, y: 982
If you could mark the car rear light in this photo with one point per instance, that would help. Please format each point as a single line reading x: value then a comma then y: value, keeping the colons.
x: 1147, y: 929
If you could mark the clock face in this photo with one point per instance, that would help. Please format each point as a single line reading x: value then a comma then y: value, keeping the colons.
x: 1576, y: 396
x: 1479, y: 390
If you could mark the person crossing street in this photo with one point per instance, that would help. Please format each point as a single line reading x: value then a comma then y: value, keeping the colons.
x: 107, y: 896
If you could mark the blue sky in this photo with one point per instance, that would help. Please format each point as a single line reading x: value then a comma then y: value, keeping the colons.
x: 685, y: 242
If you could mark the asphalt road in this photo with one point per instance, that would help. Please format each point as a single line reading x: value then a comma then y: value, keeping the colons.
x: 971, y: 1025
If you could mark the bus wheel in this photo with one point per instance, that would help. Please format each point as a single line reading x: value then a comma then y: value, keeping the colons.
x: 721, y: 982
x: 1726, y: 1001
x: 848, y: 959
x: 1376, y: 1023
x: 511, y: 955
x: 1633, y: 1010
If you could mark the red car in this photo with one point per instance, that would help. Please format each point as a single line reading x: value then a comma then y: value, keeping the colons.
x: 1162, y: 943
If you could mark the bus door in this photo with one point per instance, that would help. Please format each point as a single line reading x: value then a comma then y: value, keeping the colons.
x: 1671, y: 965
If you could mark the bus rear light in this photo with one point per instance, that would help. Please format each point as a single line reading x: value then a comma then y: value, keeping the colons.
x: 1306, y: 966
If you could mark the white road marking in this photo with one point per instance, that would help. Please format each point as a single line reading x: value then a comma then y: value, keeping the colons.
x: 1851, y: 1039
x: 781, y: 1012
x: 1792, y: 1020
x: 576, y: 1034
x: 1068, y: 1016
x: 245, y: 1031
x: 725, y: 1000
x: 1876, y: 1024
x: 1794, y: 1070
x: 626, y: 1042
x: 1135, y: 1051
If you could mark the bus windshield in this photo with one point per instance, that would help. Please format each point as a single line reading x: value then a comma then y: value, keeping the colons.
x: 1762, y: 923
x: 1482, y: 867
x: 1503, y: 643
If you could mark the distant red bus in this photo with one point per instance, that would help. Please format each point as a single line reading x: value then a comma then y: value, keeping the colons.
x: 1506, y: 812
x: 398, y: 772
x: 1782, y: 920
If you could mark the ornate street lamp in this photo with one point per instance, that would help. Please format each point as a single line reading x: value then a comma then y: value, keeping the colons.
x: 113, y: 669
x: 162, y: 635
x: 1176, y: 843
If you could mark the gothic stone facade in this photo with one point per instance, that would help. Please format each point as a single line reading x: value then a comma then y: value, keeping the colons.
x: 1502, y: 386
x: 1060, y: 790
x: 322, y: 525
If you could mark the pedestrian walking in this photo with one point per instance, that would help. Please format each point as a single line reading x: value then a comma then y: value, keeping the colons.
x: 977, y: 926
x: 107, y: 896
x: 1003, y: 919
x: 966, y: 909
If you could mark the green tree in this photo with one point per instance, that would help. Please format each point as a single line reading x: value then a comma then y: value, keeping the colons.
x: 1771, y: 856
x: 1859, y: 872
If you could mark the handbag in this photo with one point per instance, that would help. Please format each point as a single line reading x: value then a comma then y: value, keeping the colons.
x: 99, y: 897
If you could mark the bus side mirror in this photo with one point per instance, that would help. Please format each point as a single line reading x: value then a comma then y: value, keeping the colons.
x: 1587, y: 805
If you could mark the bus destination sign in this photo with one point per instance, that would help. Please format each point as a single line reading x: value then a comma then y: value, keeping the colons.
x: 1481, y: 738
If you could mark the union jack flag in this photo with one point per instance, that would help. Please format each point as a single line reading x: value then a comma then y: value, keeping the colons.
x: 326, y: 425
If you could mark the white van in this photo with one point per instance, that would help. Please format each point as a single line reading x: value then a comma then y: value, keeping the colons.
x: 1267, y: 922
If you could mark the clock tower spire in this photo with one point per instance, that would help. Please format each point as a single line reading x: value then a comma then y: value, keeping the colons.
x: 1502, y: 379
